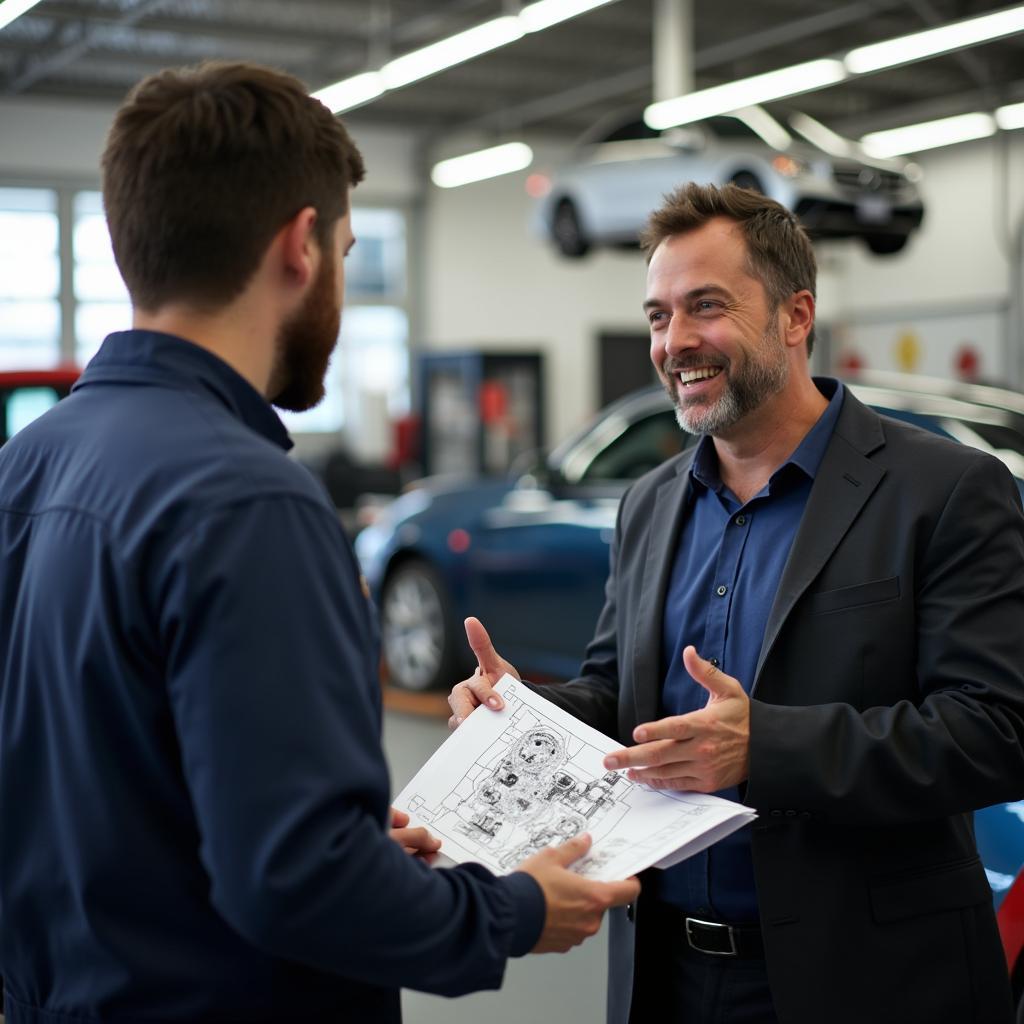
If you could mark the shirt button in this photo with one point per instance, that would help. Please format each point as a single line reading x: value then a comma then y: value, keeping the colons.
x: 741, y: 520
x: 721, y: 590
x: 714, y: 661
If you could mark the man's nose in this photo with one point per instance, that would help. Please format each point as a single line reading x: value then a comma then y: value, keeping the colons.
x: 681, y: 336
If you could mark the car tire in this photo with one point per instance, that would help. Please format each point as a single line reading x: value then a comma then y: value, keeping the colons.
x: 747, y: 180
x: 418, y: 635
x: 885, y: 245
x: 567, y: 231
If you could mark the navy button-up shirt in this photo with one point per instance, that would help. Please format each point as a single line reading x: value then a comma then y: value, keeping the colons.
x: 727, y: 569
x: 193, y: 796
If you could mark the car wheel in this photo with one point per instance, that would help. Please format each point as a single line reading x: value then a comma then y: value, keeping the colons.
x: 567, y: 231
x: 744, y: 179
x: 417, y: 635
x: 885, y: 245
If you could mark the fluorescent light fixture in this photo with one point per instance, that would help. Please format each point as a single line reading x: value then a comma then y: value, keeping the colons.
x: 722, y: 99
x: 934, y: 41
x: 550, y: 12
x: 11, y: 9
x: 819, y: 135
x: 451, y: 51
x: 1010, y: 117
x: 484, y: 163
x: 929, y: 135
x: 759, y: 121
x: 351, y: 92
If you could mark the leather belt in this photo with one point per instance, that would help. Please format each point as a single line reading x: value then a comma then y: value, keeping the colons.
x: 715, y: 939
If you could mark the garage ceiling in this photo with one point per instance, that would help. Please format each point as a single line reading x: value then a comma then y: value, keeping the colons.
x: 556, y: 82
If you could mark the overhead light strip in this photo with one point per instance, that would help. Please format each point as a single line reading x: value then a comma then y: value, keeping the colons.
x: 11, y: 9
x: 447, y: 53
x: 484, y: 163
x: 746, y: 92
x: 935, y: 41
x: 929, y: 135
x: 819, y: 74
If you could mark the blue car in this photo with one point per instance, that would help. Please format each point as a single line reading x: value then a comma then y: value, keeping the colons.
x: 529, y: 556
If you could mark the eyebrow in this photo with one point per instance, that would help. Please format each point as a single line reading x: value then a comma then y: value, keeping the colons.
x: 691, y: 295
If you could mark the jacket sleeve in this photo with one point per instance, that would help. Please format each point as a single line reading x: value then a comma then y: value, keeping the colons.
x: 272, y: 678
x: 960, y: 745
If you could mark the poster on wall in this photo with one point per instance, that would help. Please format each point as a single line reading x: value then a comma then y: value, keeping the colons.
x: 968, y: 345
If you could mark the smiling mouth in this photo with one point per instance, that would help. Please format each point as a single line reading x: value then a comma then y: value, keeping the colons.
x: 697, y: 374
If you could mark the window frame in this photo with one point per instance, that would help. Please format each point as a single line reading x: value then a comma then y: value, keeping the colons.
x: 67, y: 188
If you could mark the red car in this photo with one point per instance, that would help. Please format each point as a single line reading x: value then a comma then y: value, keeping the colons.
x: 1011, y: 928
x: 26, y: 394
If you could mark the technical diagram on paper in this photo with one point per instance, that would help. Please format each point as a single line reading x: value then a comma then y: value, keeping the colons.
x: 508, y: 783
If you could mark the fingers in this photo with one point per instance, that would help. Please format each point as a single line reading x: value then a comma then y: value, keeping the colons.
x: 468, y: 695
x: 572, y: 849
x: 416, y: 840
x: 618, y: 894
x: 713, y: 679
x: 646, y: 755
x: 399, y: 819
x: 486, y: 656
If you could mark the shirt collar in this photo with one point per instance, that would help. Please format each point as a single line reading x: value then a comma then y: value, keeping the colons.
x: 807, y: 456
x: 151, y: 357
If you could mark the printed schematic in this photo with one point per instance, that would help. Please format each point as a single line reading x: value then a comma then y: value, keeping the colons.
x: 530, y: 777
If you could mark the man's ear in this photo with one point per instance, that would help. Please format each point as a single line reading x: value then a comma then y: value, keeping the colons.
x: 799, y: 318
x: 298, y: 248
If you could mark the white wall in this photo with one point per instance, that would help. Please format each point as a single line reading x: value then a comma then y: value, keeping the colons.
x: 47, y: 139
x: 491, y: 284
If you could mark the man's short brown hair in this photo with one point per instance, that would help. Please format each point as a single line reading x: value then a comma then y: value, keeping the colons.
x: 204, y: 165
x: 779, y: 253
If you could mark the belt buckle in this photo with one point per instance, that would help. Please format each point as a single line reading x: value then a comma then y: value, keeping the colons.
x: 731, y: 951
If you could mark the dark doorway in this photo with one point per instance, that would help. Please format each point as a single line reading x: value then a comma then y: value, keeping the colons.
x: 624, y: 364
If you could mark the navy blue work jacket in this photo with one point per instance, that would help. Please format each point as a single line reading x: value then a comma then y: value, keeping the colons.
x: 193, y: 797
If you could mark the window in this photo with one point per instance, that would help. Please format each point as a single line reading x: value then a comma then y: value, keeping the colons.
x: 367, y: 383
x: 51, y: 313
x: 30, y: 313
x: 101, y: 300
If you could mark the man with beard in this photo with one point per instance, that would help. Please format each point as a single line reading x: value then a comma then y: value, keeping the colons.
x: 194, y: 820
x: 816, y: 611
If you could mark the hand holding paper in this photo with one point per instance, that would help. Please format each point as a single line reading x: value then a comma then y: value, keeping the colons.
x: 509, y: 783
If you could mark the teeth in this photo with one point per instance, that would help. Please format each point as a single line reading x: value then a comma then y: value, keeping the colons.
x: 702, y: 373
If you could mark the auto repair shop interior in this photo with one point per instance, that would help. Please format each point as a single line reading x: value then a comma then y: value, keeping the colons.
x: 493, y: 305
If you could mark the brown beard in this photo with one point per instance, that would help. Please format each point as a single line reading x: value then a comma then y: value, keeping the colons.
x: 305, y: 343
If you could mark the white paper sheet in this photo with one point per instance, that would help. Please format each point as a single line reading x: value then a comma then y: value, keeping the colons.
x: 507, y: 783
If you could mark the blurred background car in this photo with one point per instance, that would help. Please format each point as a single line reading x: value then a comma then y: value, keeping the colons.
x: 605, y: 197
x: 528, y: 554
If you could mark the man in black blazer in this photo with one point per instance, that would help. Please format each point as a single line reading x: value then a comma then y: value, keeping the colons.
x: 855, y: 589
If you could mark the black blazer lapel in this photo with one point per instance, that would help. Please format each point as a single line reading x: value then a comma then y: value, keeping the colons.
x: 663, y: 535
x: 843, y: 484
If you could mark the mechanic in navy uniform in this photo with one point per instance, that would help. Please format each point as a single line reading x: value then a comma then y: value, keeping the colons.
x: 194, y: 820
x: 817, y: 611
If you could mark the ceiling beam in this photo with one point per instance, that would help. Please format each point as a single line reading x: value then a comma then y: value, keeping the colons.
x: 81, y: 37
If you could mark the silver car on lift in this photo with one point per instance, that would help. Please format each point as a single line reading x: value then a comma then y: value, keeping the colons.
x: 604, y: 198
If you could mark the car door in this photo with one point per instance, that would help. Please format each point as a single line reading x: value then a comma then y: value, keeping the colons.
x: 540, y: 558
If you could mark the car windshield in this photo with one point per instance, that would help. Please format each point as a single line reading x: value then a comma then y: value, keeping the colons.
x: 644, y: 444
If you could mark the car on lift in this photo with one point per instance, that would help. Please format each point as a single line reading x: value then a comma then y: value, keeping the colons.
x: 623, y: 171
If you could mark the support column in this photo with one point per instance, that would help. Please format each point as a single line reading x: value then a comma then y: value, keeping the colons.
x: 673, y: 52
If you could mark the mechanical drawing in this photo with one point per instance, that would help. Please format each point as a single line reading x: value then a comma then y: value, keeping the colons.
x: 532, y: 776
